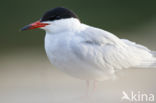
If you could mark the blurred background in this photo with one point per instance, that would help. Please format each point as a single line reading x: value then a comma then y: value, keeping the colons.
x: 26, y: 75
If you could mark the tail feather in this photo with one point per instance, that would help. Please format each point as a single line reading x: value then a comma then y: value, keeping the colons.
x: 153, y: 53
x: 150, y: 62
x: 148, y: 57
x: 154, y: 59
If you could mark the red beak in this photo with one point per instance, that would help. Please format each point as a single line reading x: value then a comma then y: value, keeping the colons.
x: 34, y: 25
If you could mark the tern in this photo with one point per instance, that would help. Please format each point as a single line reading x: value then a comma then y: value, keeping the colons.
x: 87, y: 52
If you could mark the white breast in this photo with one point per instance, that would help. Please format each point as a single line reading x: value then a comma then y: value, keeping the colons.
x: 62, y: 57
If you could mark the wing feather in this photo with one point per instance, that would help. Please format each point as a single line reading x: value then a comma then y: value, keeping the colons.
x: 100, y: 49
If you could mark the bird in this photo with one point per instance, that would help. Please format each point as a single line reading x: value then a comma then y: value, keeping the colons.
x: 86, y: 52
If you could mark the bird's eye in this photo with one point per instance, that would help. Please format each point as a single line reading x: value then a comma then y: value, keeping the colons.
x: 51, y: 18
x: 57, y: 17
x: 54, y: 18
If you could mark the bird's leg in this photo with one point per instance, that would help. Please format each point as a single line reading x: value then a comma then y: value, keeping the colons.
x: 94, y: 85
x: 87, y: 86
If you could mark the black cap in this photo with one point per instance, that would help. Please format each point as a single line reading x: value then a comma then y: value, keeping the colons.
x: 58, y: 13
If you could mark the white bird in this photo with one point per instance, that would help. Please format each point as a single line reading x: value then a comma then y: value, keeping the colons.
x: 87, y: 52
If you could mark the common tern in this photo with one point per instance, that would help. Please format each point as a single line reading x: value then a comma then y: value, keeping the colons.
x: 87, y: 52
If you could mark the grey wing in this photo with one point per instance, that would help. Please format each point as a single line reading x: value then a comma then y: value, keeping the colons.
x: 101, y: 49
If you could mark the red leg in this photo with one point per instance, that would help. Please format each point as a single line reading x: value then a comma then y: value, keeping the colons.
x: 94, y: 85
x: 87, y: 86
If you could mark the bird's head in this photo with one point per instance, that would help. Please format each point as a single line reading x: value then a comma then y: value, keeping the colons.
x: 55, y: 20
